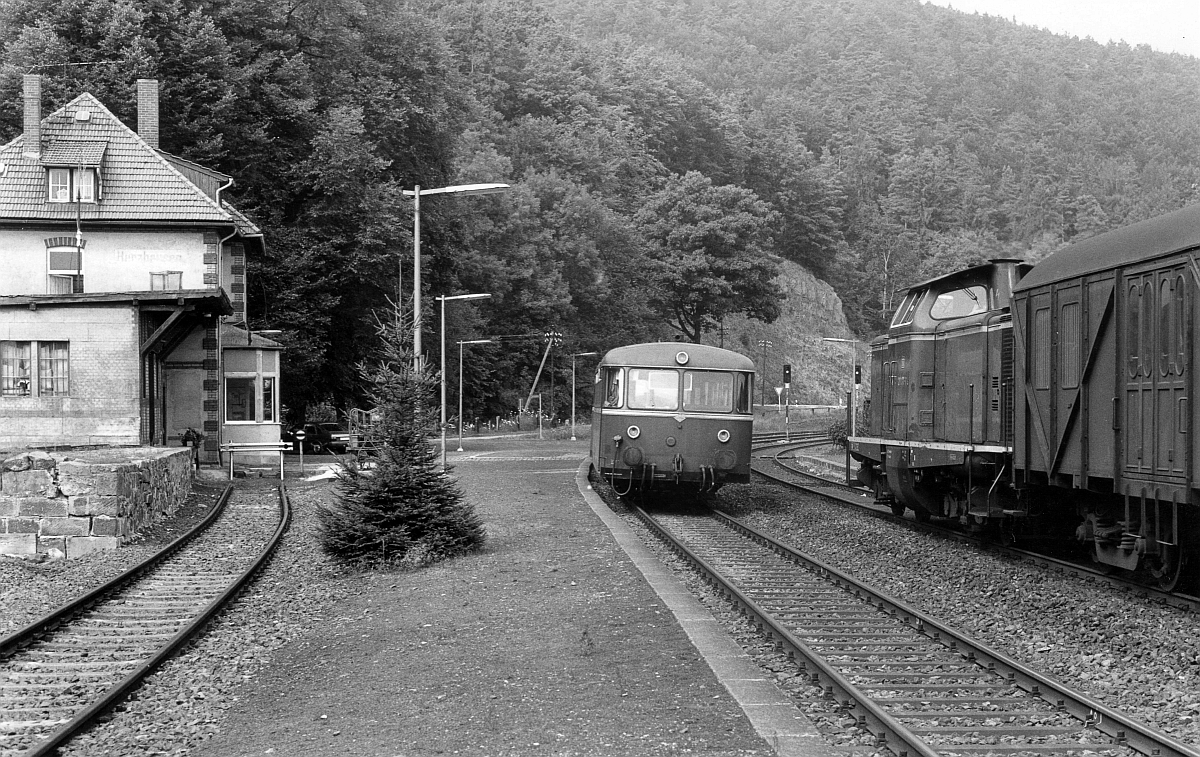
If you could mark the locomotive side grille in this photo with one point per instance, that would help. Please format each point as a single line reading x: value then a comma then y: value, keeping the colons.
x: 1006, y: 386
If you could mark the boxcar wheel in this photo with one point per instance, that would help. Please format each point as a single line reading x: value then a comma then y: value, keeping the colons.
x: 1170, y: 571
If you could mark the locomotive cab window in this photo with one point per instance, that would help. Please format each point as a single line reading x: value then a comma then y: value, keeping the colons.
x: 613, y: 383
x: 907, y: 309
x: 959, y: 303
x: 708, y: 391
x: 651, y: 389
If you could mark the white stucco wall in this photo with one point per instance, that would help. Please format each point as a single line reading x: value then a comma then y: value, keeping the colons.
x: 113, y: 261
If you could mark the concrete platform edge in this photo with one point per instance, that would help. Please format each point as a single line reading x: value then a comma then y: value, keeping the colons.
x: 774, y: 717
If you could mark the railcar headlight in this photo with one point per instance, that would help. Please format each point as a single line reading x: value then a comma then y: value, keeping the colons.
x: 723, y: 436
x: 633, y: 432
x: 632, y: 456
x: 725, y: 459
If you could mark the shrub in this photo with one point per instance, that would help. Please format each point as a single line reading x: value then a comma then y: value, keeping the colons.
x: 394, y: 505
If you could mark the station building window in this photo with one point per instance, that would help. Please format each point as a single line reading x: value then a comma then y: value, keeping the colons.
x: 23, y: 376
x: 251, y: 386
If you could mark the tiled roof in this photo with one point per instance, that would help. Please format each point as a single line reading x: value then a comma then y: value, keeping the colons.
x: 245, y: 226
x: 70, y: 153
x: 137, y: 184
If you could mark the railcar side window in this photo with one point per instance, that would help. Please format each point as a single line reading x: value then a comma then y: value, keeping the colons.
x: 1041, y: 348
x: 1147, y: 342
x: 1068, y: 345
x: 1134, y: 333
x: 651, y: 389
x: 1166, y: 330
x: 612, y: 387
x: 1181, y: 324
x: 707, y: 391
x: 959, y: 303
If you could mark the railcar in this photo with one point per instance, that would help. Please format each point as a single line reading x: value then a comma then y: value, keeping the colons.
x: 1052, y: 399
x: 672, y: 415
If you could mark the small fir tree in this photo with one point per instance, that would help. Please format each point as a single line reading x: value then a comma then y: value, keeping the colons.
x: 394, y: 506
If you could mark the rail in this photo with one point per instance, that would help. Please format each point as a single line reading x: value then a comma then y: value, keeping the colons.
x: 60, y: 622
x: 817, y: 608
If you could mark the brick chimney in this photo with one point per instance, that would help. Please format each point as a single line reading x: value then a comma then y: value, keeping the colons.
x: 32, y: 88
x: 147, y: 111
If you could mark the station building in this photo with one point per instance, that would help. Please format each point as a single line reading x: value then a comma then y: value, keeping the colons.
x: 122, y: 290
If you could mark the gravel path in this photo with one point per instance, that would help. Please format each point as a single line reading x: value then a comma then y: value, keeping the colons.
x: 547, y: 642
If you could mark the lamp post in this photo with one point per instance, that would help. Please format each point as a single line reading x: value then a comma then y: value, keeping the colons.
x: 577, y: 354
x: 417, y: 193
x: 443, y: 299
x: 850, y: 404
x: 460, y: 388
x: 762, y: 397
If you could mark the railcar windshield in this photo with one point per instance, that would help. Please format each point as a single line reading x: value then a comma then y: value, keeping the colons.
x: 613, y: 383
x: 715, y: 392
x: 959, y: 303
x: 653, y: 389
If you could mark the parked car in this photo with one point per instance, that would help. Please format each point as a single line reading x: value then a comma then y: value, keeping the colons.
x: 322, y: 437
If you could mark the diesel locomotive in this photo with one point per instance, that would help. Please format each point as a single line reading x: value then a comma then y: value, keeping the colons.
x: 672, y: 415
x: 1051, y: 399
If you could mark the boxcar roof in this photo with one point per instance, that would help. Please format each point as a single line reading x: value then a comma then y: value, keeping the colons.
x: 1161, y: 235
x: 663, y: 353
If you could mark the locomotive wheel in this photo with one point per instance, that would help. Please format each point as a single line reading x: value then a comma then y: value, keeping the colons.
x: 1169, y: 573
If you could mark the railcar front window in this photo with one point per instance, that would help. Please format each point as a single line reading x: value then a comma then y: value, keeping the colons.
x: 959, y: 303
x: 613, y: 395
x: 707, y: 391
x: 741, y: 392
x: 651, y: 389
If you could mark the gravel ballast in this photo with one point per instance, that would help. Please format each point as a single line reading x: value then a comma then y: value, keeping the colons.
x: 1131, y: 653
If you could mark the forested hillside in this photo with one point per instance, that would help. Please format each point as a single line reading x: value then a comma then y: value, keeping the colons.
x: 665, y: 158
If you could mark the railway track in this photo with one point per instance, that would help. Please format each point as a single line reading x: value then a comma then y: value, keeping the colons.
x: 859, y: 497
x: 62, y: 672
x: 919, y: 686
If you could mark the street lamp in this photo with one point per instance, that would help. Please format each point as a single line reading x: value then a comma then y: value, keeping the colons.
x: 417, y: 193
x: 764, y: 343
x: 443, y: 299
x: 460, y: 387
x: 577, y: 354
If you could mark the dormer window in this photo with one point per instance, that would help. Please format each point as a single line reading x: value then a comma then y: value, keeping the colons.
x: 71, y: 185
x: 73, y: 170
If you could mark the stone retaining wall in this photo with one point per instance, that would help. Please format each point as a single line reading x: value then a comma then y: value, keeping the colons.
x: 66, y: 504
